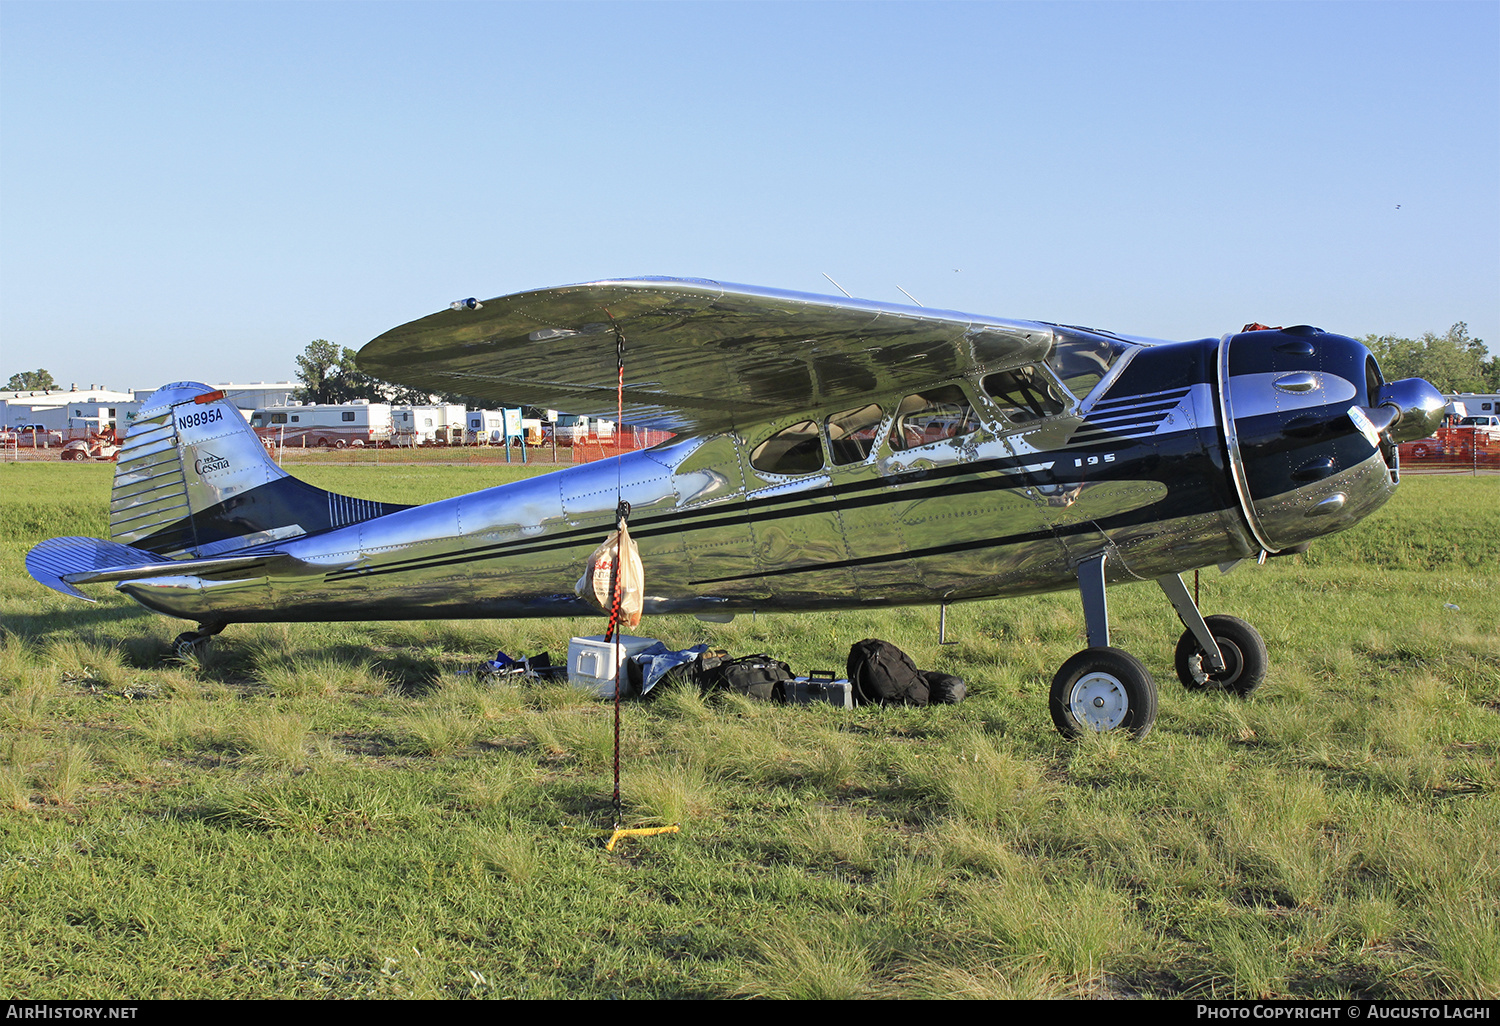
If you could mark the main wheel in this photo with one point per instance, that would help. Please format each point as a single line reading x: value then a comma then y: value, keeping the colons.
x: 1103, y: 689
x: 1244, y: 654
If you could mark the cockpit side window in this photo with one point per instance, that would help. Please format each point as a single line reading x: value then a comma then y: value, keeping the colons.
x: 792, y: 450
x: 853, y: 433
x: 1024, y: 394
x: 1081, y: 361
x: 931, y: 416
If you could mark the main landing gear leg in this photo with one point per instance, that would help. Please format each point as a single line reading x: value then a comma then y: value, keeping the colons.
x: 1221, y: 652
x: 1101, y: 688
x: 195, y: 642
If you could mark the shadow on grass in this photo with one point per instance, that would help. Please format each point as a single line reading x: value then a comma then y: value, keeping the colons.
x: 35, y: 628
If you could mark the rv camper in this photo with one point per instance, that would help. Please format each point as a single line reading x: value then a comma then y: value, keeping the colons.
x: 426, y: 425
x: 332, y: 426
x: 494, y: 427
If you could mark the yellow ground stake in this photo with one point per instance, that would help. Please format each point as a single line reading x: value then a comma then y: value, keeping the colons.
x: 637, y: 832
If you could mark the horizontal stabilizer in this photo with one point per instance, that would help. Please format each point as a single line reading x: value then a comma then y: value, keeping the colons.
x: 60, y: 563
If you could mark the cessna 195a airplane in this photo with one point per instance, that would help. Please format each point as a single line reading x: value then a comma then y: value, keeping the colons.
x: 828, y: 453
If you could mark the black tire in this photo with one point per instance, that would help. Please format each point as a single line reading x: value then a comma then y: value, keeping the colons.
x: 189, y: 643
x: 1103, y: 689
x: 1244, y: 652
x: 340, y: 444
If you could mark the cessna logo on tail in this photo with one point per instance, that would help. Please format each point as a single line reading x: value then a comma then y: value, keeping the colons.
x: 209, y: 464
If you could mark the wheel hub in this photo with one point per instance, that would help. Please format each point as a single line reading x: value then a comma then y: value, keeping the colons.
x: 1099, y: 701
x: 1234, y: 662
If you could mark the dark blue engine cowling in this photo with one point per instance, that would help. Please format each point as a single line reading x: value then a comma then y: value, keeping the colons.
x: 1302, y: 464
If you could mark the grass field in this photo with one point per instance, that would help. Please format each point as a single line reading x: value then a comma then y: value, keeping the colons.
x: 339, y: 811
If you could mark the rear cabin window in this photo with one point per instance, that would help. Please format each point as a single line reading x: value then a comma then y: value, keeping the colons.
x: 932, y: 416
x: 278, y: 418
x: 853, y: 433
x: 1024, y: 394
x: 349, y: 416
x: 792, y: 450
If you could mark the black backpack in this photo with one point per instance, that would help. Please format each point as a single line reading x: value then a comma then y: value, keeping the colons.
x: 881, y: 673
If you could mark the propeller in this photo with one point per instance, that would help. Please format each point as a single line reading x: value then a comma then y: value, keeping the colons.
x: 1408, y: 409
x: 1373, y: 421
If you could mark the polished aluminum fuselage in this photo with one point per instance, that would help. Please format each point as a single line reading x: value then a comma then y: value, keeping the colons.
x: 1147, y: 476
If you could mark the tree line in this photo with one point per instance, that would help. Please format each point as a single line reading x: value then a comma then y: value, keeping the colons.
x: 31, y: 381
x: 1452, y: 362
x: 329, y: 374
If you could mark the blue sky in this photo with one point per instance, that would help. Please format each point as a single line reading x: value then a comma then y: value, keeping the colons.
x: 199, y: 189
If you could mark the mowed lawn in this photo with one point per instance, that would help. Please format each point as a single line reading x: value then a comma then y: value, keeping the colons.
x: 343, y: 811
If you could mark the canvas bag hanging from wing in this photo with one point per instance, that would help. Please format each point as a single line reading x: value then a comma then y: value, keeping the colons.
x: 594, y: 584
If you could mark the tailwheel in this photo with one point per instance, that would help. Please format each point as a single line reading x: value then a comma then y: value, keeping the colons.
x: 195, y: 643
x: 190, y: 643
x: 1103, y: 689
x: 1244, y: 652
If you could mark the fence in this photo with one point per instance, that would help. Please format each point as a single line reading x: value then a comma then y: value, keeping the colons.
x: 1471, y: 461
x: 639, y: 438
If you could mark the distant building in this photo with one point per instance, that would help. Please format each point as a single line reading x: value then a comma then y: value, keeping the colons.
x: 75, y: 412
x: 258, y: 395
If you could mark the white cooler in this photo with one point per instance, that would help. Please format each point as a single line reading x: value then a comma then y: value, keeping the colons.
x: 592, y: 661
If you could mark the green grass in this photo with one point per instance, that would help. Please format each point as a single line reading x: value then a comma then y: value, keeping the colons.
x: 337, y: 811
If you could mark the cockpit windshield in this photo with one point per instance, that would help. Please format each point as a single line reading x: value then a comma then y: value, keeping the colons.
x: 1080, y: 359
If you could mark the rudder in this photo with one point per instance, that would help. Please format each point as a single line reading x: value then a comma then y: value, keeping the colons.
x: 194, y: 479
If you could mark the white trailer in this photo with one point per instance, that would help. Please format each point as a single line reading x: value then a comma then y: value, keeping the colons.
x: 427, y: 425
x: 492, y: 427
x: 331, y: 425
x: 1474, y: 403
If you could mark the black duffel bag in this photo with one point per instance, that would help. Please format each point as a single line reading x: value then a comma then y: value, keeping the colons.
x: 756, y: 675
x: 944, y: 688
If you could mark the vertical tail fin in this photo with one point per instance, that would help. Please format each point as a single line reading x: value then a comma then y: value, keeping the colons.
x: 193, y: 479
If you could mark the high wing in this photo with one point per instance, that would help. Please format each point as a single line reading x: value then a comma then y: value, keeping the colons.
x: 700, y: 356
